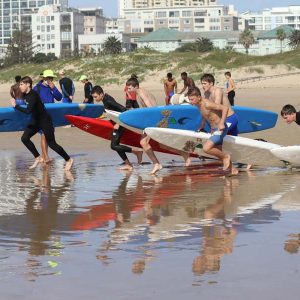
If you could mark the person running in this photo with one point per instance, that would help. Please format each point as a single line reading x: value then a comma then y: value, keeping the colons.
x: 170, y: 87
x: 110, y: 103
x: 230, y: 88
x: 40, y: 120
x: 48, y: 93
x: 188, y: 82
x: 215, y: 94
x: 131, y: 101
x: 16, y: 93
x: 145, y: 99
x: 88, y: 98
x: 215, y: 114
x: 290, y: 115
x: 67, y: 87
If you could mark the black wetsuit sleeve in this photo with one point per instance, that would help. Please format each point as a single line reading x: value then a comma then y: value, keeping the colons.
x: 298, y: 118
x: 110, y: 103
x: 31, y: 100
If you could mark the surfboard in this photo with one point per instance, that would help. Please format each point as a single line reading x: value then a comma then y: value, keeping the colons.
x: 188, y: 117
x: 14, y: 120
x: 243, y: 150
x: 290, y: 154
x: 104, y: 128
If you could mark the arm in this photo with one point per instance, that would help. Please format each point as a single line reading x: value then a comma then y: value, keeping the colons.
x: 218, y: 96
x: 56, y: 93
x: 12, y: 93
x: 175, y: 87
x: 26, y: 110
x: 231, y: 86
x: 166, y: 89
x: 224, y: 109
x: 184, y: 88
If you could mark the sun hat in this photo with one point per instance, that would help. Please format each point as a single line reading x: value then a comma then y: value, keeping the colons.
x: 49, y: 73
x: 83, y: 77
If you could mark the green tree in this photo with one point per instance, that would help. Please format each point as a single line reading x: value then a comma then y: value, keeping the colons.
x: 294, y: 40
x: 204, y: 45
x: 40, y: 58
x: 20, y: 48
x: 247, y: 39
x: 112, y: 45
x: 281, y: 36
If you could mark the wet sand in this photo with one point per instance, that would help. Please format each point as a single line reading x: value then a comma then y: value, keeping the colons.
x: 188, y: 232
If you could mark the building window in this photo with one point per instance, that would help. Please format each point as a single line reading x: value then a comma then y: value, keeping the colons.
x: 161, y: 14
x: 174, y: 14
x: 199, y: 20
x: 187, y: 13
x: 200, y: 13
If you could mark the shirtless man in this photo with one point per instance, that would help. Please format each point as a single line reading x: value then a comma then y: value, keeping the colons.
x: 188, y: 82
x: 215, y: 114
x: 145, y: 99
x: 170, y: 87
x: 215, y: 94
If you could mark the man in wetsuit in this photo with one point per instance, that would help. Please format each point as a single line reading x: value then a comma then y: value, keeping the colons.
x: 290, y: 115
x: 110, y: 103
x: 88, y: 98
x: 40, y: 121
x: 67, y: 87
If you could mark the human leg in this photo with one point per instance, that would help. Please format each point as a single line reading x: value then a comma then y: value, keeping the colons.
x: 231, y: 96
x: 44, y: 147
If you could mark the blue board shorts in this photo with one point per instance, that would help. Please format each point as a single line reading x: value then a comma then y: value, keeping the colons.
x: 232, y: 123
x: 218, y: 136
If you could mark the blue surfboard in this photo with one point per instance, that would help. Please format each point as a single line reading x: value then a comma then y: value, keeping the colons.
x: 14, y: 120
x: 188, y: 117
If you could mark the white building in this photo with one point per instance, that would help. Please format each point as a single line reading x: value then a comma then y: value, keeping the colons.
x: 271, y: 18
x: 95, y: 43
x: 56, y: 32
x: 266, y: 42
x: 142, y: 16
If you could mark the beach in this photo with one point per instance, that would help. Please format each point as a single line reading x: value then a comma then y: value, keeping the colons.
x: 98, y: 232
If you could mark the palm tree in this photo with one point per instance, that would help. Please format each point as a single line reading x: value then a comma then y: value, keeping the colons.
x: 246, y: 39
x: 204, y: 45
x: 112, y: 45
x: 295, y: 39
x: 281, y: 36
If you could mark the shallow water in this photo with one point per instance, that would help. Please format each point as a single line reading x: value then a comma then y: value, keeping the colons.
x: 99, y: 233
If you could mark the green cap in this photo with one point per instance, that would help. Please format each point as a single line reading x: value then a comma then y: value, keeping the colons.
x: 49, y: 73
x: 83, y: 77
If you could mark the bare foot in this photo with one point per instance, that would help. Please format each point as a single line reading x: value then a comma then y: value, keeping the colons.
x: 156, y: 168
x: 234, y: 171
x: 37, y: 161
x: 69, y: 176
x: 187, y: 159
x: 139, y: 155
x: 69, y: 164
x: 47, y: 161
x: 126, y: 167
x: 226, y: 162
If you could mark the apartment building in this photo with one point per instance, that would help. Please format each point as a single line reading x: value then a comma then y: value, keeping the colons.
x: 54, y: 31
x: 271, y: 18
x: 16, y: 15
x: 144, y: 16
x: 94, y: 20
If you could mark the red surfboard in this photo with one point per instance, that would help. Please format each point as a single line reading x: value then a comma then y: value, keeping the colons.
x: 104, y: 128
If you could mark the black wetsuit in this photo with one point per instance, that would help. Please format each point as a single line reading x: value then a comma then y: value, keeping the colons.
x: 298, y: 118
x: 88, y: 92
x: 110, y: 103
x: 40, y: 121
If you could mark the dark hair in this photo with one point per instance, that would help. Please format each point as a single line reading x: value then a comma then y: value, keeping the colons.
x: 18, y: 78
x: 97, y: 89
x: 26, y: 79
x: 169, y: 75
x: 288, y: 110
x: 132, y: 81
x: 183, y: 74
x: 208, y: 78
x: 194, y: 91
x: 134, y: 76
x: 227, y: 74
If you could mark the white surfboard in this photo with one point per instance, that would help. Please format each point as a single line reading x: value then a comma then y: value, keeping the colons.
x: 243, y: 150
x: 114, y: 116
x: 290, y: 154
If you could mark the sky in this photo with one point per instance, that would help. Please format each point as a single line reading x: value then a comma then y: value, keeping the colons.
x: 110, y: 7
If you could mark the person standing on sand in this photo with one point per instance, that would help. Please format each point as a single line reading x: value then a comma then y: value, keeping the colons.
x: 48, y: 93
x: 15, y: 91
x: 215, y: 94
x: 131, y: 101
x: 67, y: 87
x: 215, y: 114
x: 170, y: 87
x: 188, y: 82
x: 145, y: 99
x: 110, y: 103
x: 88, y: 98
x: 290, y: 115
x: 40, y: 120
x: 230, y: 88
